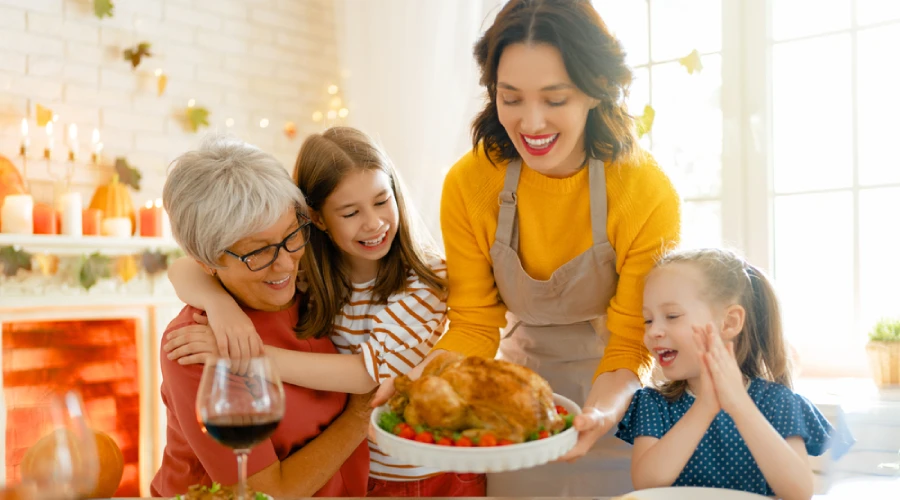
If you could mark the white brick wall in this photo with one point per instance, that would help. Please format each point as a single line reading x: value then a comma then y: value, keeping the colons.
x: 240, y: 59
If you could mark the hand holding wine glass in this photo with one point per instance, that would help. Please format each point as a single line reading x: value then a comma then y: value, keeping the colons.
x: 240, y: 410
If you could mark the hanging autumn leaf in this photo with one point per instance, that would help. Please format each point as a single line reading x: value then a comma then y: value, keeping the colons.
x: 126, y: 268
x: 154, y: 262
x: 11, y: 260
x: 128, y: 175
x: 137, y: 53
x: 93, y: 268
x: 44, y: 115
x: 103, y: 8
x: 48, y: 264
x: 645, y: 122
x: 197, y: 117
x: 161, y: 81
x: 290, y: 130
x: 692, y: 62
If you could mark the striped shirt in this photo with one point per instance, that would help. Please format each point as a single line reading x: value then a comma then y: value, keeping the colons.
x: 393, y: 338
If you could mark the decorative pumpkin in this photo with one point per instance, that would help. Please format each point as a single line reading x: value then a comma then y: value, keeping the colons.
x: 39, y: 459
x: 10, y: 179
x: 114, y: 200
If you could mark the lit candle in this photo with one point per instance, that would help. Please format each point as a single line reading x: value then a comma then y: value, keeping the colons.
x: 91, y: 219
x: 98, y: 146
x: 44, y: 217
x: 151, y: 219
x: 25, y: 141
x: 119, y: 227
x: 73, y: 141
x: 49, y: 148
x: 17, y: 214
x: 71, y: 208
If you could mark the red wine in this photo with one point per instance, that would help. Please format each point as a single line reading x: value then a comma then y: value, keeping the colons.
x: 241, y: 433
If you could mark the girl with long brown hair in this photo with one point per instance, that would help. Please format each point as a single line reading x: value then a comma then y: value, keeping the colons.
x: 373, y: 284
x: 726, y: 416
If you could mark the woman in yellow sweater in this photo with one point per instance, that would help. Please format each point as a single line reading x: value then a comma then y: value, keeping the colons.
x: 550, y: 224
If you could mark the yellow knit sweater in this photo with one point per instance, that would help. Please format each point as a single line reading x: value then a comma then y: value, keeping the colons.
x: 554, y: 228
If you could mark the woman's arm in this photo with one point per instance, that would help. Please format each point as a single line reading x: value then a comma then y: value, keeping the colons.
x: 658, y: 462
x: 308, y: 469
x: 236, y: 337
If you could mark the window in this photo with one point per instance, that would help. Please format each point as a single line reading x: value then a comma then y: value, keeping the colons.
x: 783, y: 146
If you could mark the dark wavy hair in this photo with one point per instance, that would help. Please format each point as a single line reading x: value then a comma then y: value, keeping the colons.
x: 594, y: 60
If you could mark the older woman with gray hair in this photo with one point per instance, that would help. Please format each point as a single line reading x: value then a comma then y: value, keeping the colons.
x: 236, y: 211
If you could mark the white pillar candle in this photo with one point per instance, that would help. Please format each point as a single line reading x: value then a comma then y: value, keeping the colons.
x: 70, y: 214
x: 16, y: 216
x: 119, y: 227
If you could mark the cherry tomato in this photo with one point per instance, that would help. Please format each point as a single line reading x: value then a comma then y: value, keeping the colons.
x: 405, y: 431
x: 464, y: 442
x: 505, y: 442
x: 425, y: 437
x: 444, y: 441
x: 543, y: 434
x: 487, y: 440
x: 561, y: 411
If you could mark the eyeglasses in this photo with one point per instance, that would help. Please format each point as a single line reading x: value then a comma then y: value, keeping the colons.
x: 262, y: 258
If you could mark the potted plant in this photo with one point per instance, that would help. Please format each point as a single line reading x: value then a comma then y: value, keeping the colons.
x: 884, y: 352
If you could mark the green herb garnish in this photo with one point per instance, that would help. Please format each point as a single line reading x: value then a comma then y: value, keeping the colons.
x: 388, y: 420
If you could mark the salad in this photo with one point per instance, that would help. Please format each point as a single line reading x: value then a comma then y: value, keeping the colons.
x: 394, y: 423
x: 216, y: 492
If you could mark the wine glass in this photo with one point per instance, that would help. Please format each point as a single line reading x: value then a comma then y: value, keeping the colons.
x: 240, y: 410
x: 63, y: 464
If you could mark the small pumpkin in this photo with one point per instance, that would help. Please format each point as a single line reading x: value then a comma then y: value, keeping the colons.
x: 114, y: 200
x: 10, y: 179
x: 40, y: 458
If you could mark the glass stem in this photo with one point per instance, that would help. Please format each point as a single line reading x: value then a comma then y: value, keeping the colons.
x: 241, y: 493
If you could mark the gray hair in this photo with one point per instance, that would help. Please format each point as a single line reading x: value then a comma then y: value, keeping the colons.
x: 225, y: 191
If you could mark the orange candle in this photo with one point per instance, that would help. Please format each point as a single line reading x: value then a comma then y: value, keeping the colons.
x: 90, y: 221
x: 44, y: 217
x: 152, y: 219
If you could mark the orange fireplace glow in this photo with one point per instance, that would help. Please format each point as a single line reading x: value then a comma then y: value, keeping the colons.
x: 99, y: 357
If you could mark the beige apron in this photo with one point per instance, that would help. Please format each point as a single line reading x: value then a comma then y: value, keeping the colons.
x: 558, y: 328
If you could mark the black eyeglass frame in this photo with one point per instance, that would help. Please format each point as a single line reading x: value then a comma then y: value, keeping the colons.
x: 305, y: 223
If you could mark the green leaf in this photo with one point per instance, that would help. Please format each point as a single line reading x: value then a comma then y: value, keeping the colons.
x: 260, y: 496
x: 154, y: 261
x: 137, y: 54
x: 93, y: 268
x: 103, y: 8
x: 692, y: 62
x: 569, y: 419
x: 128, y: 175
x: 197, y: 117
x: 388, y: 420
x: 215, y: 487
x: 645, y: 122
x: 11, y: 260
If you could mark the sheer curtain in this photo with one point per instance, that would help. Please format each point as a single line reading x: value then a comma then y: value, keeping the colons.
x: 411, y: 82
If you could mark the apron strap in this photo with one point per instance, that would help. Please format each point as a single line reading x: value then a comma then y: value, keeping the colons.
x: 507, y: 229
x: 597, y: 179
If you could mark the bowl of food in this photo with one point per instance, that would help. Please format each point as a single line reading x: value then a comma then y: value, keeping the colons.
x: 469, y: 414
x: 218, y: 492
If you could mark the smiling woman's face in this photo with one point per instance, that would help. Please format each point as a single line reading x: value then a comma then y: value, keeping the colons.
x: 271, y: 288
x: 542, y: 110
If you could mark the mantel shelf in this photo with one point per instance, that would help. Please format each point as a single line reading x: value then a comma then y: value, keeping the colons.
x: 79, y: 245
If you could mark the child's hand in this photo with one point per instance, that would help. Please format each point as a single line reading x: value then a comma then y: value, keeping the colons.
x: 191, y: 344
x: 726, y: 374
x: 706, y: 395
x: 235, y: 335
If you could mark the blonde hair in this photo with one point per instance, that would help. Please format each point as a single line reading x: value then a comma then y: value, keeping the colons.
x: 760, y: 348
x: 324, y: 160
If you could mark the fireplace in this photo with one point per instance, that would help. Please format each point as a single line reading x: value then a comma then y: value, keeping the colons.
x: 104, y: 342
x: 99, y: 358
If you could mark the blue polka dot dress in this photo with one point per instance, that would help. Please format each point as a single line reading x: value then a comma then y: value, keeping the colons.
x: 722, y: 459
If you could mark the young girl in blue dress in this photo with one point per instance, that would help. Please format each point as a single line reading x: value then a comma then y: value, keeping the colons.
x: 726, y: 417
